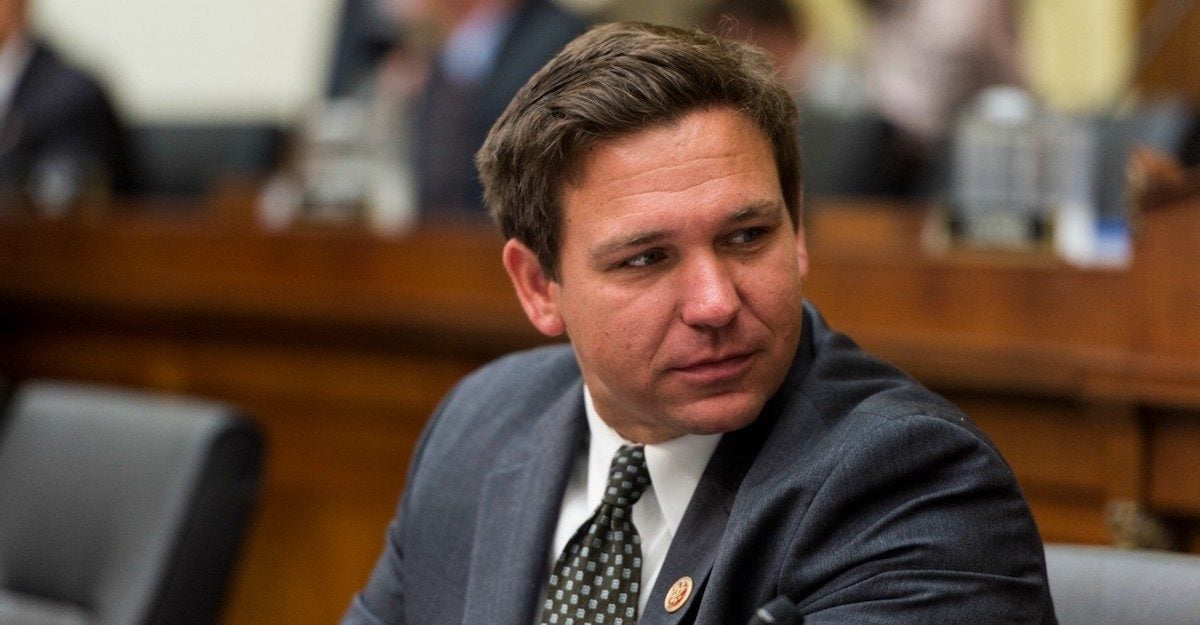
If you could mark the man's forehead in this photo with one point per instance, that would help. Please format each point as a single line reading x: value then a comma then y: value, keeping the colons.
x: 712, y: 166
x: 697, y: 140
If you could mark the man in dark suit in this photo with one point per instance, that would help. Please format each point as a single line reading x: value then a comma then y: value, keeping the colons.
x: 648, y: 183
x: 57, y: 126
x: 494, y: 46
x: 483, y: 51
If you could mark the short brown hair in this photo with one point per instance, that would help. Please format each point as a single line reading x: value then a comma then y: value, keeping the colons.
x: 614, y: 80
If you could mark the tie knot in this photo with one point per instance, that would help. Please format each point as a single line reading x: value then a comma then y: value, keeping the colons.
x: 628, y: 477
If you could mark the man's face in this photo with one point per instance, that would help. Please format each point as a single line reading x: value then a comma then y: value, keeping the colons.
x: 679, y: 277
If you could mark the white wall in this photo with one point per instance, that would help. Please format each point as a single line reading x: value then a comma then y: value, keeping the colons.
x: 198, y: 59
x: 1080, y: 53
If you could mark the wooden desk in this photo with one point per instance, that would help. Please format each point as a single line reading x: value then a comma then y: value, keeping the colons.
x: 341, y: 344
x: 1088, y: 380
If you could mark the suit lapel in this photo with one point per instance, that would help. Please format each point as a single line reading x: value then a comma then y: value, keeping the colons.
x: 696, y: 544
x: 691, y: 554
x: 518, y: 512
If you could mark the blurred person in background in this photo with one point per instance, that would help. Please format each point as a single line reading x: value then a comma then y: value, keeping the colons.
x: 882, y: 128
x: 777, y: 26
x: 847, y: 144
x: 60, y: 136
x: 488, y: 49
x: 368, y: 32
x: 461, y: 61
x: 924, y: 60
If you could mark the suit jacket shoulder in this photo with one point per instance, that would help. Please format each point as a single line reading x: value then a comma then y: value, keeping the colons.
x: 873, y: 499
x: 503, y: 398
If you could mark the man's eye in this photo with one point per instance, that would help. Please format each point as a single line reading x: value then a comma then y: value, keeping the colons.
x: 645, y: 259
x: 749, y: 235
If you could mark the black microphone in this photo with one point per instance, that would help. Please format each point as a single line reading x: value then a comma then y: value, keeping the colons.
x: 778, y: 611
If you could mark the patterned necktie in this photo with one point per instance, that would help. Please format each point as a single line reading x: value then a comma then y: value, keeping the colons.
x: 597, y: 579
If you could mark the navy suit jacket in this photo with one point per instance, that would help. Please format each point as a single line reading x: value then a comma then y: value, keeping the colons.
x: 450, y: 128
x: 858, y: 494
x: 57, y: 111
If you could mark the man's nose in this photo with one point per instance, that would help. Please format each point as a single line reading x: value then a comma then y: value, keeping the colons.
x: 708, y: 293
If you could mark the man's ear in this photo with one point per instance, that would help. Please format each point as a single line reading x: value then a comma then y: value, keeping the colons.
x: 537, y: 292
x: 802, y: 252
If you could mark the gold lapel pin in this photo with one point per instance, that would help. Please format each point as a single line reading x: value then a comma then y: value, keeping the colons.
x: 678, y: 594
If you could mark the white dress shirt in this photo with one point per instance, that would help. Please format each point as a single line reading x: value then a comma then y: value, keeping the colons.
x: 675, y: 468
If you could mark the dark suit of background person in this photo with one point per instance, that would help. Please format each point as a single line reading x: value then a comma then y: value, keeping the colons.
x: 452, y: 120
x: 59, y: 112
x: 366, y: 34
x: 852, y: 482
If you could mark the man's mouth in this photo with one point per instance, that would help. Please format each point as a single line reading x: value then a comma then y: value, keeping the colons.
x: 716, y: 369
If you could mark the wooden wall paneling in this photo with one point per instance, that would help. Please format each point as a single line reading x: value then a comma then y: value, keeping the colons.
x: 1165, y: 270
x: 1175, y: 463
x: 1125, y: 455
x: 1131, y: 520
x: 1173, y: 69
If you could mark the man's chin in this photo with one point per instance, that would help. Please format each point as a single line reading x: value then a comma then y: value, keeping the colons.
x: 720, y: 414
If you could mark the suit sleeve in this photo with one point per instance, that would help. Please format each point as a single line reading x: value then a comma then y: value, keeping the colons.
x: 381, y: 601
x: 921, y: 522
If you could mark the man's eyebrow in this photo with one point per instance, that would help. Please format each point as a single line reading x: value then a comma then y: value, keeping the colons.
x: 639, y: 239
x: 757, y: 210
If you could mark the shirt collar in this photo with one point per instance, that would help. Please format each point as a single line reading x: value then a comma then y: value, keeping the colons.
x: 675, y: 466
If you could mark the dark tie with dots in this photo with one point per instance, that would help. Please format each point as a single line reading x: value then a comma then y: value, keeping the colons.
x: 597, y: 578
